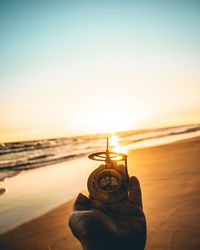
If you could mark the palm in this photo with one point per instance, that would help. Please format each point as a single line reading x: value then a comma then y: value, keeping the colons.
x: 109, y: 226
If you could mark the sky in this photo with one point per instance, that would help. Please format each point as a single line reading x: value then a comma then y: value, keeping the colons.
x: 79, y: 67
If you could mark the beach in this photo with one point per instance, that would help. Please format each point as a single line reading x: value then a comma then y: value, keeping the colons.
x: 170, y: 181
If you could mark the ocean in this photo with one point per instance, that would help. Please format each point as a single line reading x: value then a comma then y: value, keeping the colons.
x: 18, y: 156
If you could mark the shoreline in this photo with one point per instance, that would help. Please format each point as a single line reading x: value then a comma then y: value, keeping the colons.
x: 25, y: 202
x: 36, y: 192
x: 152, y: 141
x: 170, y: 201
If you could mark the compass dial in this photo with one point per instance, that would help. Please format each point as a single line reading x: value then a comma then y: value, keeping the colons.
x: 108, y: 181
x: 108, y: 184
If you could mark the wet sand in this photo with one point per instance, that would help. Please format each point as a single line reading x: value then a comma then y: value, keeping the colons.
x: 170, y: 180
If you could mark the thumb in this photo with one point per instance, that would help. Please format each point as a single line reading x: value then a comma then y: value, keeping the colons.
x: 81, y: 203
x: 135, y: 191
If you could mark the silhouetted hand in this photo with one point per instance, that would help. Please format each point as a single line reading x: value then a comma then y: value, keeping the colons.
x: 100, y: 226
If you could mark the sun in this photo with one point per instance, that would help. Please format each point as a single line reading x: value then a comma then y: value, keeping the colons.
x: 114, y: 143
x: 107, y: 116
x: 108, y: 120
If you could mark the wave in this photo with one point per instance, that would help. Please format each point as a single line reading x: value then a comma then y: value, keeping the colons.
x: 17, y: 156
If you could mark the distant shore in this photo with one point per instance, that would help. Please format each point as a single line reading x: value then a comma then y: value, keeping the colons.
x: 169, y: 176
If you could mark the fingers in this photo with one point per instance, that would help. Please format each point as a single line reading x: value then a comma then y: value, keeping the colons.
x: 81, y: 203
x: 135, y: 191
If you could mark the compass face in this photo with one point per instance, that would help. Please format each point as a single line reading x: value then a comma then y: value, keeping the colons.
x: 108, y: 181
x: 108, y: 184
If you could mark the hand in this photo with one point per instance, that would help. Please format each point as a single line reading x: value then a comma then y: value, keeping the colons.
x: 117, y: 226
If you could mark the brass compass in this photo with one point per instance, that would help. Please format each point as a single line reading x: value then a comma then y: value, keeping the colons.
x: 109, y: 183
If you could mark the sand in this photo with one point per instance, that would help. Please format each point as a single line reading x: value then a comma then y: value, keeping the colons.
x: 170, y: 180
